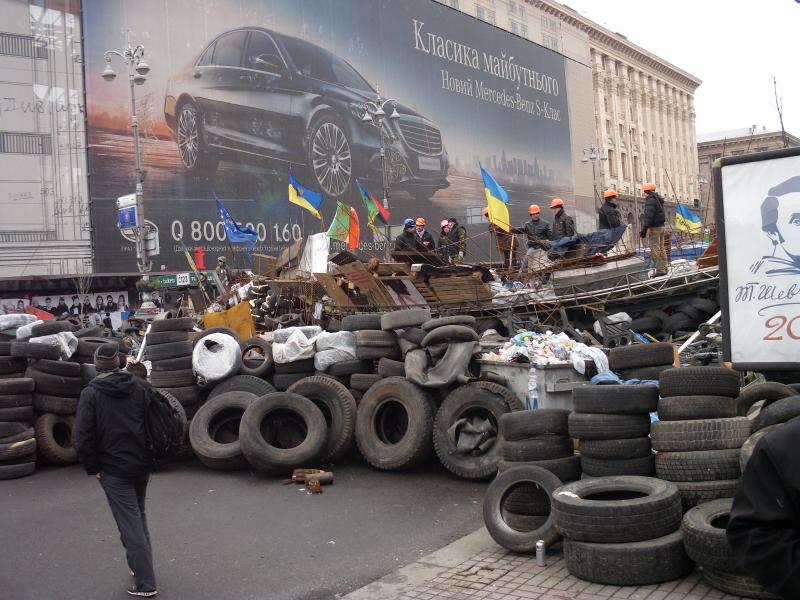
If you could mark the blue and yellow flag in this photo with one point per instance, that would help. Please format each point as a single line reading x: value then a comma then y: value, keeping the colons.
x: 497, y: 201
x: 686, y: 220
x: 304, y: 197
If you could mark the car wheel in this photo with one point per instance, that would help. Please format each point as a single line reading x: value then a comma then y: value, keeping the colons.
x: 194, y: 157
x: 329, y: 156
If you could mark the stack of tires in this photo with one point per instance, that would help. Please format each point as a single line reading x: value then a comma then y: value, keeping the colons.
x: 641, y: 361
x: 17, y: 438
x: 612, y: 424
x: 58, y: 385
x: 689, y: 315
x: 698, y: 436
x: 169, y: 350
x: 11, y: 367
x: 621, y: 530
x: 704, y: 537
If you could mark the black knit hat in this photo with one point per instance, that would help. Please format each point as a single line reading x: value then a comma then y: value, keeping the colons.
x: 105, y: 358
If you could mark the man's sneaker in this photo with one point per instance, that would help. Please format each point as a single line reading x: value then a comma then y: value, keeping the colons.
x: 142, y: 592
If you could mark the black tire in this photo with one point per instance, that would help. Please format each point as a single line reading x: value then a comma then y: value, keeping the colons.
x: 704, y: 305
x: 89, y: 331
x: 264, y: 365
x: 494, y: 500
x: 524, y: 424
x: 394, y: 425
x: 694, y: 313
x: 526, y: 499
x: 357, y: 395
x: 376, y: 353
x: 482, y: 409
x: 20, y: 413
x: 55, y: 384
x: 45, y: 403
x: 177, y: 324
x: 5, y: 348
x: 641, y: 355
x: 708, y: 465
x: 339, y: 409
x: 465, y: 320
x: 17, y: 385
x: 17, y: 450
x: 737, y: 584
x: 11, y: 428
x: 362, y: 322
x: 543, y: 447
x: 699, y: 381
x: 592, y: 426
x: 391, y: 368
x: 187, y: 396
x: 703, y: 529
x: 605, y: 467
x: 14, y: 471
x: 242, y: 383
x: 750, y: 444
x: 264, y: 422
x: 209, y: 331
x: 415, y: 335
x: 214, y: 430
x: 33, y: 350
x: 345, y: 381
x: 168, y: 351
x: 698, y: 492
x: 615, y: 399
x: 401, y: 319
x: 182, y: 378
x: 12, y: 364
x: 449, y: 334
x: 643, y: 373
x: 57, y: 367
x: 763, y: 390
x: 700, y: 434
x: 377, y: 339
x: 15, y: 400
x: 165, y: 337
x: 566, y: 469
x: 779, y: 411
x: 282, y: 382
x: 646, y: 325
x: 172, y: 364
x: 50, y: 328
x: 54, y: 439
x: 352, y: 367
x: 687, y: 408
x: 523, y: 522
x: 621, y: 449
x: 363, y: 381
x: 305, y: 365
x: 617, y: 509
x: 19, y: 437
x: 628, y: 564
x: 678, y: 322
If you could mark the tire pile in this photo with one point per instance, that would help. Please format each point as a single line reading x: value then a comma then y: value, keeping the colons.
x: 169, y: 350
x: 641, y: 361
x: 703, y: 530
x: 699, y: 437
x: 612, y: 424
x: 683, y: 318
x: 621, y: 530
x: 17, y: 438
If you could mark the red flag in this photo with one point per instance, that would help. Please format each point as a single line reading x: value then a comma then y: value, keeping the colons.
x: 354, y: 234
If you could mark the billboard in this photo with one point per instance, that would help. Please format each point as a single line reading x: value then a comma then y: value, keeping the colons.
x: 242, y: 91
x: 758, y: 201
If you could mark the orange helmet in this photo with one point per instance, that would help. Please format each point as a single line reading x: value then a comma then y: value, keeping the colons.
x: 534, y: 209
x: 610, y: 194
x: 649, y: 187
x: 420, y: 221
x: 556, y: 202
x: 485, y: 212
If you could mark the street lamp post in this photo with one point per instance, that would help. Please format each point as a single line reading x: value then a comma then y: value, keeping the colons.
x: 590, y: 155
x: 133, y: 57
x: 375, y: 113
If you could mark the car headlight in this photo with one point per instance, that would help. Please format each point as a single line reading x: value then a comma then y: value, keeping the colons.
x: 357, y: 109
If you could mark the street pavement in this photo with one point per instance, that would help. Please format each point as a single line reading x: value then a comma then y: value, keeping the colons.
x: 230, y: 535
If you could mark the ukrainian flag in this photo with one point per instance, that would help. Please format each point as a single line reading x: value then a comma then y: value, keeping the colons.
x: 686, y: 220
x: 304, y: 197
x: 497, y: 201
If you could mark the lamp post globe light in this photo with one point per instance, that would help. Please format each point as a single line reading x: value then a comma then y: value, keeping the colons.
x: 376, y: 113
x: 144, y: 234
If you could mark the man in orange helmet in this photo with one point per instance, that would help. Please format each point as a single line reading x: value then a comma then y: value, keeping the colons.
x: 538, y: 234
x: 425, y: 238
x: 563, y: 224
x: 653, y: 227
x: 506, y: 242
x: 609, y: 216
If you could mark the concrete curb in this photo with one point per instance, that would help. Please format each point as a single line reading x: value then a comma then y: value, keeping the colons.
x: 427, y: 568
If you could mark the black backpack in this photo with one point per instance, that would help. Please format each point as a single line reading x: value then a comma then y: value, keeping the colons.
x: 165, y: 422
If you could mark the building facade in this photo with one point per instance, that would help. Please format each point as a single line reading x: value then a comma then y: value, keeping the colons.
x: 642, y: 109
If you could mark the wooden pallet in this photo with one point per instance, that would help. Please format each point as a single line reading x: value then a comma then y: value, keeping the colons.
x: 467, y: 289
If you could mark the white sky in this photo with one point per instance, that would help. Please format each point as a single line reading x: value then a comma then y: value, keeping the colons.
x: 733, y: 46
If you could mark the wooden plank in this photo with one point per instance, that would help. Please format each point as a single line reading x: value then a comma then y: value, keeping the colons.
x: 394, y: 268
x: 360, y: 276
x: 337, y: 294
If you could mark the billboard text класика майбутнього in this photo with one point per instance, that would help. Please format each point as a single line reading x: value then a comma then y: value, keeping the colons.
x: 240, y: 91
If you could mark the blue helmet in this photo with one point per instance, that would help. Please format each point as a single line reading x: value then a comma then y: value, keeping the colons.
x: 408, y: 223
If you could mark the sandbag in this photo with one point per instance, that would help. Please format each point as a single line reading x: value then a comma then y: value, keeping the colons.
x: 310, y: 332
x: 216, y: 357
x: 26, y: 331
x: 324, y: 359
x: 65, y: 340
x: 340, y: 340
x: 15, y: 321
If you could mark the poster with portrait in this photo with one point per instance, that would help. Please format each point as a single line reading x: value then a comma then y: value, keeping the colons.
x: 86, y: 304
x: 758, y: 225
x: 10, y: 306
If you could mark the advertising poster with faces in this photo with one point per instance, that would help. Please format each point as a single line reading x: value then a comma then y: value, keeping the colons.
x: 10, y: 306
x: 86, y: 304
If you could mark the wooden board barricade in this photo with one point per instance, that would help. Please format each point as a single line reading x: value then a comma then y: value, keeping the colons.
x: 237, y: 318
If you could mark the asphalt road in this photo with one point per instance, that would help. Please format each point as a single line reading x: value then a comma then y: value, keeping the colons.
x: 226, y: 535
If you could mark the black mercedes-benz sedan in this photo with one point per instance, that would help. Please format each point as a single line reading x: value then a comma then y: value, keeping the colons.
x: 256, y: 92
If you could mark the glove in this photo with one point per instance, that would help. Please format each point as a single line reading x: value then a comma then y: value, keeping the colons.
x: 461, y: 254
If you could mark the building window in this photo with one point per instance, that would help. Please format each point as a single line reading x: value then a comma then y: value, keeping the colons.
x: 512, y: 8
x: 608, y: 127
x: 612, y: 164
x: 548, y: 41
x: 621, y: 133
x: 454, y: 4
x: 636, y: 167
x: 519, y: 28
x: 484, y: 14
x: 605, y: 103
x: 521, y: 10
x: 624, y: 159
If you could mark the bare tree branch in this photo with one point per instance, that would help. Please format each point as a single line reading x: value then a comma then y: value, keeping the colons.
x: 779, y: 107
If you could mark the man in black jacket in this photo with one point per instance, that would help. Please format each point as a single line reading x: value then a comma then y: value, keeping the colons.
x: 609, y: 216
x: 537, y: 235
x: 764, y: 524
x: 653, y: 227
x: 111, y: 439
x: 425, y: 238
x: 563, y: 224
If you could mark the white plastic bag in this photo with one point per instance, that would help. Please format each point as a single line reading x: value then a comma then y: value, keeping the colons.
x: 325, y: 358
x: 297, y: 347
x: 15, y: 321
x: 216, y: 357
x: 309, y: 331
x: 26, y: 331
x: 339, y: 340
x: 65, y: 340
